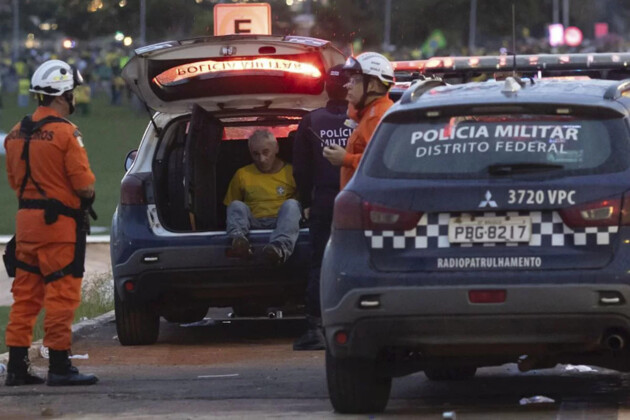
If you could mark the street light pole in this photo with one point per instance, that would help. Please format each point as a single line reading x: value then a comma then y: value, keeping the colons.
x: 472, y: 29
x: 556, y: 12
x: 388, y: 26
x: 16, y: 31
x: 143, y: 23
x: 565, y: 13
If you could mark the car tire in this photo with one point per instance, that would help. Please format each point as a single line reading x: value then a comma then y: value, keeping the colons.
x: 137, y: 323
x: 354, y: 386
x: 185, y: 314
x: 450, y: 374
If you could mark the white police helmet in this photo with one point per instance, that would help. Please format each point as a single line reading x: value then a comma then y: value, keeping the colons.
x: 371, y: 64
x: 54, y: 77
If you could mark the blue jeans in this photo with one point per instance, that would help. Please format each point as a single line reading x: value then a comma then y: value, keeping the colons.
x: 286, y: 227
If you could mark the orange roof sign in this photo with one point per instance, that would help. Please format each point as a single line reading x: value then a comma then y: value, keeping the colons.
x: 249, y: 18
x: 177, y: 74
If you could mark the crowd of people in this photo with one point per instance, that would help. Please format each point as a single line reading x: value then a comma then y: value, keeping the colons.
x: 101, y: 68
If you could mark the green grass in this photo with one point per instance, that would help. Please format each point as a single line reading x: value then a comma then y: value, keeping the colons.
x: 4, y: 320
x: 96, y: 299
x: 109, y: 132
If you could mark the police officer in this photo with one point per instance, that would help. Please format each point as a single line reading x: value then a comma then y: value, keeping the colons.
x: 318, y: 184
x: 48, y: 168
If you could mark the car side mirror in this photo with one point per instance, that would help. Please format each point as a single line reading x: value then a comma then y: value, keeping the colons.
x: 131, y: 157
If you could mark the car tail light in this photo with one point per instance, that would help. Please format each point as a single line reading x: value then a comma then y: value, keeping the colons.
x: 132, y: 191
x: 379, y: 217
x: 348, y: 213
x: 598, y: 213
x: 354, y: 213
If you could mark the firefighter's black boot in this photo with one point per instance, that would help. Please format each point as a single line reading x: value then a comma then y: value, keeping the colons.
x: 19, y: 369
x: 312, y: 339
x: 62, y: 373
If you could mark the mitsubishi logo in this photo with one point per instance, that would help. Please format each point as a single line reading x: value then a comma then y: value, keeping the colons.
x: 488, y: 202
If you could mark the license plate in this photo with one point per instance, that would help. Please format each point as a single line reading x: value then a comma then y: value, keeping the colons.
x: 468, y: 229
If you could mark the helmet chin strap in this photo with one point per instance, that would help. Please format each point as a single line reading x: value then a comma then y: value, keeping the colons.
x: 68, y: 98
x: 364, y: 97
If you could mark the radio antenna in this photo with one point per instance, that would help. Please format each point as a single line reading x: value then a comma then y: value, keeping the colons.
x: 513, y: 40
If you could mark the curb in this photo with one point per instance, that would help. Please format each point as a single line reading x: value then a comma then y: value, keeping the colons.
x: 33, y: 351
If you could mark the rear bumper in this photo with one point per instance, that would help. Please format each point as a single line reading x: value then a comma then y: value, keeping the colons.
x: 442, y: 322
x: 205, y: 273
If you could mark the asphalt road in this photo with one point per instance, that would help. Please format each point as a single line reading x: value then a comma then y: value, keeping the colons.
x: 246, y: 369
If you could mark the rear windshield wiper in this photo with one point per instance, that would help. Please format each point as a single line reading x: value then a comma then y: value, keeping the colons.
x: 522, y: 168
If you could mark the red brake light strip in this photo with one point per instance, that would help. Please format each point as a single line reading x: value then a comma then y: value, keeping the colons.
x: 176, y: 74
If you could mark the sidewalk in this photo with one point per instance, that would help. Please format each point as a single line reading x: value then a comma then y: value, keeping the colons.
x: 96, y: 261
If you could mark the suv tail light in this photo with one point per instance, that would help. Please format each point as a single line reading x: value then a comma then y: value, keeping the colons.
x: 132, y: 191
x: 354, y: 213
x: 598, y: 213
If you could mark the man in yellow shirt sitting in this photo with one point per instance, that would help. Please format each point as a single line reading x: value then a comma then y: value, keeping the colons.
x: 262, y: 196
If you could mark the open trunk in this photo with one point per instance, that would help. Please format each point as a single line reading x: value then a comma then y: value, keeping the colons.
x: 196, y: 158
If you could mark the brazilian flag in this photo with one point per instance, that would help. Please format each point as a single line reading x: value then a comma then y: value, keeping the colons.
x: 434, y: 42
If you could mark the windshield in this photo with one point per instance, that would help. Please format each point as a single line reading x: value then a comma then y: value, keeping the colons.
x: 496, y: 145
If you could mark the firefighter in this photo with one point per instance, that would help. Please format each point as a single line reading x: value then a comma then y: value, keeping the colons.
x: 318, y: 184
x: 370, y: 77
x: 48, y: 168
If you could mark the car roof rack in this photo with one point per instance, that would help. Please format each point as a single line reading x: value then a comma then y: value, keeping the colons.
x: 417, y: 89
x: 617, y: 90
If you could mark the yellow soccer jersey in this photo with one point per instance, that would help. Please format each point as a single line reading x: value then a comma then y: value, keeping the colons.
x: 263, y: 193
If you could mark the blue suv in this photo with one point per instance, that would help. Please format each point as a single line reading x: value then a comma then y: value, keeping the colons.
x: 487, y: 223
x: 169, y: 248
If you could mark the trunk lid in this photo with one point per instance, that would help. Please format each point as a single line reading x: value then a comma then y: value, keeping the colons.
x: 232, y: 72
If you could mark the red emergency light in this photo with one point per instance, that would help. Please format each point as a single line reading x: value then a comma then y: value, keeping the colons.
x: 412, y: 65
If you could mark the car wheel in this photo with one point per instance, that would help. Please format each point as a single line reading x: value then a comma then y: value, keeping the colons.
x: 185, y: 314
x: 450, y: 374
x: 354, y: 387
x: 136, y: 323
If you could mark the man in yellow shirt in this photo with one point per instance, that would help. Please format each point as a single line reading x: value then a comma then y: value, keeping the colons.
x: 262, y: 196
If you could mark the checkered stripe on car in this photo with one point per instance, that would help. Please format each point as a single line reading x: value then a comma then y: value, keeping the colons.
x: 548, y: 230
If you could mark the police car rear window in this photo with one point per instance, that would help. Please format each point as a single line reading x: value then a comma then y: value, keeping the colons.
x: 474, y: 145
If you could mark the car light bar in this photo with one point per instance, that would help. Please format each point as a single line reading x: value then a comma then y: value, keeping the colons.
x: 176, y: 75
x: 524, y: 63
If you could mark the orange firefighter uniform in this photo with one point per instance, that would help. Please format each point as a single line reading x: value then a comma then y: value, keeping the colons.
x: 59, y: 164
x: 368, y: 118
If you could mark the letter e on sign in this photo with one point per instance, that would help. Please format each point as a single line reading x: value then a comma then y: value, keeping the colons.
x: 248, y: 18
